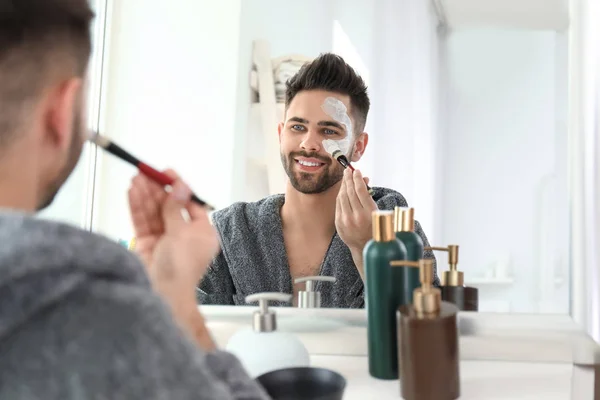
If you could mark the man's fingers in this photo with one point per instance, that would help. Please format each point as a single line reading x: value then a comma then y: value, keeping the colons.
x: 345, y: 206
x: 144, y: 205
x: 178, y: 200
x: 170, y: 172
x: 351, y: 191
x: 361, y: 191
x: 197, y: 212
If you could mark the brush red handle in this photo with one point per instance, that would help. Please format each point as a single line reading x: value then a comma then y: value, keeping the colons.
x: 166, y: 180
x: 155, y: 175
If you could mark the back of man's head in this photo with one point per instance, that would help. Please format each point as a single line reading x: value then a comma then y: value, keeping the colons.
x: 42, y: 42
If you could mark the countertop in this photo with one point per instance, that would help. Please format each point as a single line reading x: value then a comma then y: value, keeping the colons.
x: 480, y: 380
x: 502, y: 357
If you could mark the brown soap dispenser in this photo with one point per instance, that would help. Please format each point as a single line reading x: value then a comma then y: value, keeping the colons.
x: 428, y: 353
x: 453, y: 286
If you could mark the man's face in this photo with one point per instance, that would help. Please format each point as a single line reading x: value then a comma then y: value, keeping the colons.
x: 70, y: 158
x: 308, y: 122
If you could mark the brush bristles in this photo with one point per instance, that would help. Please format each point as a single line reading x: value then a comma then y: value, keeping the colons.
x: 99, y: 140
x: 337, y: 154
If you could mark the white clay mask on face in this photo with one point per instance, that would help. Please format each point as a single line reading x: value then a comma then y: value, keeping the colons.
x: 331, y: 146
x: 338, y: 111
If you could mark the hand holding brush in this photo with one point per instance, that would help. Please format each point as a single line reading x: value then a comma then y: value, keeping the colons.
x: 144, y: 168
x: 333, y: 149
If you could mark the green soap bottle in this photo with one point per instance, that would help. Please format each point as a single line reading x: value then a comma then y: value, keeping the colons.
x: 408, y: 276
x: 379, y: 296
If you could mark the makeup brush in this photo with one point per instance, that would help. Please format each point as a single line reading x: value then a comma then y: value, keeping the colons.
x: 144, y: 168
x: 333, y: 148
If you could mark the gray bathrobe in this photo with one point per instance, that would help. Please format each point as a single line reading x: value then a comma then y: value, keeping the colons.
x: 253, y: 257
x: 78, y: 320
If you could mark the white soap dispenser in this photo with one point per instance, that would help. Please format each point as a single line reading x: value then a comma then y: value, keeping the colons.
x: 309, y: 298
x: 262, y: 348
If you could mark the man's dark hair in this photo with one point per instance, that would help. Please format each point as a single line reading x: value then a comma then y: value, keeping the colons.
x: 39, y: 40
x: 331, y: 73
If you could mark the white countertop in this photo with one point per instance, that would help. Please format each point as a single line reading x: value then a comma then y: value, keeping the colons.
x: 480, y: 380
x: 489, y: 367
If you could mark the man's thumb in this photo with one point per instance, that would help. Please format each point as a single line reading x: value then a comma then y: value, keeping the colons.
x: 175, y: 204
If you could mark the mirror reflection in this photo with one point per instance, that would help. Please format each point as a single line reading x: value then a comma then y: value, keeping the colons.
x: 465, y: 124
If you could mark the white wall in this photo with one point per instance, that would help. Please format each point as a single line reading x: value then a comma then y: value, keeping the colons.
x: 504, y: 182
x: 405, y: 106
x: 170, y: 99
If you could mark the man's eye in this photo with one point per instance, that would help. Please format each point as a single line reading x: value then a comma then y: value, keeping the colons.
x: 298, y: 127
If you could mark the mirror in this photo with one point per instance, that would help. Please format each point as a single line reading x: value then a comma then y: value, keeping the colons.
x: 505, y: 185
x: 469, y: 121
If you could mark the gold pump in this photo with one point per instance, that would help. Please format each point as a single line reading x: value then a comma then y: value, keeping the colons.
x: 403, y: 263
x: 383, y: 226
x: 427, y: 299
x: 404, y: 219
x: 452, y: 277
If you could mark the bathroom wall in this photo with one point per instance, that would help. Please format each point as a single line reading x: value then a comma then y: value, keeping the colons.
x: 505, y: 156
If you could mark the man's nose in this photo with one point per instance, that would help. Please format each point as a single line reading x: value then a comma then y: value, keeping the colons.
x: 312, y: 141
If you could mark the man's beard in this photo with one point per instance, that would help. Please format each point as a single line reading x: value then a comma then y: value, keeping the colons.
x: 73, y: 156
x: 312, y: 183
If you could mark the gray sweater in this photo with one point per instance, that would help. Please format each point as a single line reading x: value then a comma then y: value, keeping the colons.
x: 78, y: 320
x: 253, y: 257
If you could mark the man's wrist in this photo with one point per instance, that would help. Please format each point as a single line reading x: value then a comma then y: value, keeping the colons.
x: 191, y: 320
x: 197, y: 328
x: 356, y: 250
x: 357, y: 254
x: 357, y: 257
x: 184, y: 308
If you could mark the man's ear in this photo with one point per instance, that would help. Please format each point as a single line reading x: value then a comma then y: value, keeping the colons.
x: 359, y: 146
x: 279, y: 130
x: 60, y: 112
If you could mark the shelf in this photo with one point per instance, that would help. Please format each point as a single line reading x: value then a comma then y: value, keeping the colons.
x: 279, y: 106
x: 490, y: 281
x: 501, y: 281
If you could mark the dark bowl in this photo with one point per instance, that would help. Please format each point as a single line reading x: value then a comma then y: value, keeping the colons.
x: 303, y: 383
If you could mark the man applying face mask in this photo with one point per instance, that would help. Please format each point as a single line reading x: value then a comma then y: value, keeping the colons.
x: 81, y: 317
x: 320, y: 225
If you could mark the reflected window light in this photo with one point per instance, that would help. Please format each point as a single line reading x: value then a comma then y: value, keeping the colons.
x: 342, y: 46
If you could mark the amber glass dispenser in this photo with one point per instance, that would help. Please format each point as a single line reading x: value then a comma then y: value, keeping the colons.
x: 428, y: 352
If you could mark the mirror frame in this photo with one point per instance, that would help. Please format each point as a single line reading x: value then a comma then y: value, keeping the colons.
x: 96, y: 87
x: 584, y: 159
